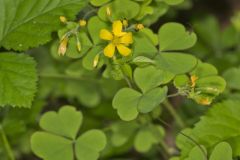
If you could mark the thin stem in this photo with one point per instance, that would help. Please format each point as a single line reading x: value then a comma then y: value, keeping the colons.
x: 172, y: 111
x: 174, y: 95
x: 6, y: 144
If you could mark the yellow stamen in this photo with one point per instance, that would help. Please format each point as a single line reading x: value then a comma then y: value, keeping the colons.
x: 194, y: 78
x: 82, y: 23
x: 63, y: 19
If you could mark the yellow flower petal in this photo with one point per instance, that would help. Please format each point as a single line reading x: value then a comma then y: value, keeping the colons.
x: 106, y: 35
x: 109, y: 50
x: 117, y: 28
x: 123, y: 50
x: 127, y: 38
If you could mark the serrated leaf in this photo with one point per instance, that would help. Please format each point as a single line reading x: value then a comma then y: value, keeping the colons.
x: 173, y: 36
x: 29, y: 23
x: 18, y: 79
x: 221, y: 123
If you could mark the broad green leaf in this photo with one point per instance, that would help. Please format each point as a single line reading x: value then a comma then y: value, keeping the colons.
x: 129, y: 102
x: 152, y: 99
x: 29, y: 23
x: 176, y: 63
x: 221, y: 123
x: 197, y: 153
x: 141, y: 61
x: 173, y: 36
x: 88, y: 60
x: 232, y: 76
x: 149, y: 77
x: 120, y: 9
x: 147, y: 50
x: 65, y: 123
x: 18, y: 79
x: 94, y: 27
x: 173, y: 2
x: 147, y: 137
x: 222, y: 151
x: 204, y: 69
x: 152, y: 36
x: 122, y: 131
x: 126, y: 101
x: 51, y: 147
x: 98, y: 2
x: 89, y: 144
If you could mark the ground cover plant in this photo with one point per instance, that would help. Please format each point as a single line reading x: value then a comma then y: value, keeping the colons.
x: 119, y: 80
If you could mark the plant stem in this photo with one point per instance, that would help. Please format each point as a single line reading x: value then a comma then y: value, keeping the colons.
x: 172, y: 111
x: 6, y: 144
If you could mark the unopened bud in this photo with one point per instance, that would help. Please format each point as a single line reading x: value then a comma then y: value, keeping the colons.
x: 125, y: 23
x: 79, y: 46
x: 63, y: 19
x: 108, y: 11
x: 96, y: 60
x: 193, y: 80
x: 63, y: 47
x: 139, y: 26
x: 82, y: 23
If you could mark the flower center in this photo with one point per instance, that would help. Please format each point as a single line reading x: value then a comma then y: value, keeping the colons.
x: 116, y: 40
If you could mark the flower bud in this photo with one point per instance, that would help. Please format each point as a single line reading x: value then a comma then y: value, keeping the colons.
x: 96, y: 60
x: 108, y: 11
x: 63, y: 47
x: 63, y: 19
x: 82, y: 23
x: 139, y: 26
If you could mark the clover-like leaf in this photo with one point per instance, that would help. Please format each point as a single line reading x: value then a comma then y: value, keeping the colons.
x: 129, y: 102
x: 222, y: 151
x: 18, y: 78
x: 176, y: 63
x: 51, y: 147
x: 121, y: 9
x: 151, y: 77
x: 66, y: 122
x: 59, y: 142
x: 90, y: 144
x: 173, y: 36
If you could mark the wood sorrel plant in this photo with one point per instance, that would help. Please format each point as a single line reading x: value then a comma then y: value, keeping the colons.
x: 110, y: 39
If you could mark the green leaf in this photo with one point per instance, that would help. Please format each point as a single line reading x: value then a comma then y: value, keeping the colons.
x: 94, y: 27
x: 147, y: 50
x: 88, y: 60
x: 152, y: 99
x: 222, y: 151
x: 129, y: 102
x: 173, y: 2
x: 65, y: 123
x: 26, y: 24
x: 232, y: 76
x: 221, y: 123
x: 120, y: 9
x: 197, y: 153
x: 141, y: 61
x: 59, y: 141
x: 176, y: 63
x: 18, y: 79
x: 98, y: 2
x: 51, y: 147
x: 149, y: 77
x: 173, y: 36
x: 126, y: 101
x: 90, y: 144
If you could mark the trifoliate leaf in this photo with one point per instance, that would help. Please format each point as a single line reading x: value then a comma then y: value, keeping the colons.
x: 176, y: 63
x: 18, y: 79
x: 173, y: 36
x: 26, y: 24
x: 149, y: 77
x: 65, y: 123
x: 89, y: 144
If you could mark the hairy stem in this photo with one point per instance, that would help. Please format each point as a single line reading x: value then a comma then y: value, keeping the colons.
x: 6, y: 144
x: 172, y: 111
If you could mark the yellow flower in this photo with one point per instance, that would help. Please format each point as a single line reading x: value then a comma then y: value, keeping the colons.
x: 118, y: 39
